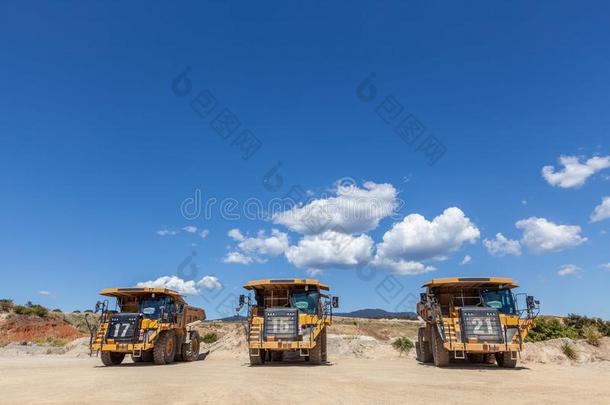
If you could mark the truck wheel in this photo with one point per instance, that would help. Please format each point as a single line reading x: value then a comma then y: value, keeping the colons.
x: 422, y: 347
x: 439, y: 353
x: 145, y: 357
x: 190, y: 351
x: 503, y: 359
x: 165, y: 348
x: 258, y: 360
x: 315, y: 354
x: 112, y: 358
x: 324, y: 347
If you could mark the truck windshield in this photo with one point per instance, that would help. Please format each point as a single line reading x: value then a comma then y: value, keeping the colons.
x: 501, y: 299
x: 151, y: 308
x: 306, y: 301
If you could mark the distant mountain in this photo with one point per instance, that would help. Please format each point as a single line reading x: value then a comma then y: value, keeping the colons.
x: 368, y: 313
x: 233, y: 318
x: 377, y: 313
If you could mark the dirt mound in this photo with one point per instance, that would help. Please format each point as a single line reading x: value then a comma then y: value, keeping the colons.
x: 550, y: 352
x: 52, y: 329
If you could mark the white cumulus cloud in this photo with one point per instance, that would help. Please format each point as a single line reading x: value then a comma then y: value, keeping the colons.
x: 250, y: 249
x: 541, y: 235
x: 330, y: 249
x: 186, y: 287
x: 502, y: 246
x: 190, y: 229
x: 416, y: 238
x: 166, y: 232
x: 204, y: 233
x: 574, y: 173
x: 352, y: 210
x: 467, y: 259
x: 569, y: 270
x: 602, y: 211
x: 237, y: 258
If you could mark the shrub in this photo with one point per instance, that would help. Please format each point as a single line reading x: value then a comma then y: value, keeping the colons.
x: 31, y: 309
x: 6, y: 305
x: 592, y: 335
x: 51, y: 341
x: 546, y: 329
x: 579, y: 323
x: 210, y: 337
x: 76, y: 311
x: 403, y: 345
x: 56, y: 310
x: 569, y: 350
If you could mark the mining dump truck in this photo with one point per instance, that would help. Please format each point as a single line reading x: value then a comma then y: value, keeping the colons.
x: 287, y: 317
x: 475, y: 319
x: 150, y: 324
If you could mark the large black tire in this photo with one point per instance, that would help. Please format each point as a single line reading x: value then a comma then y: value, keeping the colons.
x: 439, y: 353
x: 112, y: 358
x: 190, y: 351
x: 258, y: 360
x: 145, y: 357
x: 315, y: 354
x: 422, y: 346
x: 504, y: 360
x: 165, y: 348
x: 324, y: 346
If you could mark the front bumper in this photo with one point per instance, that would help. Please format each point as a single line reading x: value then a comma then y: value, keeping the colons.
x: 482, y: 347
x: 122, y: 347
x: 282, y: 345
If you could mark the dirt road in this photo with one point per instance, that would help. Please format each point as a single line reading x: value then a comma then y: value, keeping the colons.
x: 54, y: 379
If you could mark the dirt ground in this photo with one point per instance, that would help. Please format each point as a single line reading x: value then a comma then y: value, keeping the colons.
x: 57, y: 379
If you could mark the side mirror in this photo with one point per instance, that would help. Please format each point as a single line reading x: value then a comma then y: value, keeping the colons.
x: 423, y: 297
x: 335, y: 302
x: 180, y: 309
x: 98, y: 306
x: 530, y: 302
x: 242, y: 300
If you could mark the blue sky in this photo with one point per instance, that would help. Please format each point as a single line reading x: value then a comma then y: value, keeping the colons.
x: 101, y: 145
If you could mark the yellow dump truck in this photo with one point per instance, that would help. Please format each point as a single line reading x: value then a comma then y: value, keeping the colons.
x: 150, y: 324
x: 473, y: 318
x: 287, y: 316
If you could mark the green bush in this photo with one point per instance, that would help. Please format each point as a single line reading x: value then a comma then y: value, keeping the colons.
x: 403, y: 345
x: 76, y: 311
x: 579, y: 323
x: 31, y: 309
x: 56, y: 310
x: 6, y: 305
x: 210, y: 337
x: 546, y: 329
x: 569, y: 350
x: 592, y: 335
x: 51, y: 341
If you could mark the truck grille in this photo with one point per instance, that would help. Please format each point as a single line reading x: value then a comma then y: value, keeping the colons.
x: 124, y: 327
x: 281, y: 323
x: 482, y: 324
